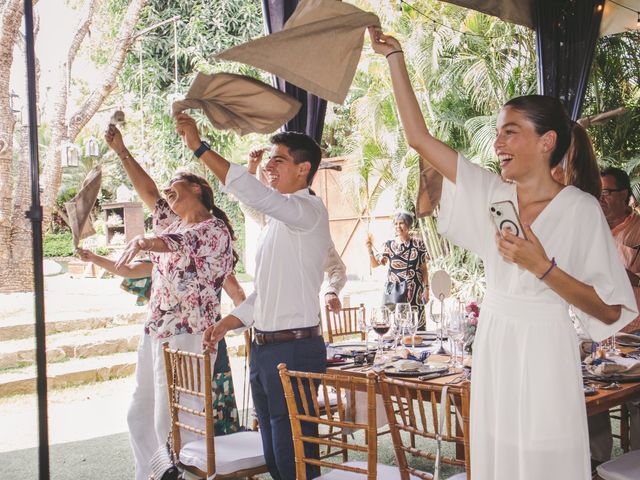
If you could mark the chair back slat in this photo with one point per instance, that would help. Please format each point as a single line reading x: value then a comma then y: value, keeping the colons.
x: 344, y: 324
x: 188, y: 377
x: 400, y: 395
x: 346, y: 416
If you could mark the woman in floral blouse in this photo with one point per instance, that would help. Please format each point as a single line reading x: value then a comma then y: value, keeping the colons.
x: 192, y: 253
x: 407, y: 259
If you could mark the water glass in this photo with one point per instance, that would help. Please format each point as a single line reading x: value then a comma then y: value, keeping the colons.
x: 455, y: 330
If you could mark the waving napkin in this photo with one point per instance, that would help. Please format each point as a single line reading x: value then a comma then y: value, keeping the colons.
x: 318, y: 49
x: 80, y: 206
x: 238, y: 103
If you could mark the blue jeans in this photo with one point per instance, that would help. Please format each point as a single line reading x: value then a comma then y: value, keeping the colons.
x: 307, y: 355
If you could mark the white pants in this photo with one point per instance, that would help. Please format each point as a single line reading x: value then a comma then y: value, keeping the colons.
x: 148, y: 417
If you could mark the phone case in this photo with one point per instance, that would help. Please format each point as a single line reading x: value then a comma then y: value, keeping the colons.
x: 505, y: 216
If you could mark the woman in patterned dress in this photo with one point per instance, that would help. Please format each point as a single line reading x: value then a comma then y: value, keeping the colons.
x: 137, y: 280
x: 407, y: 259
x: 192, y: 254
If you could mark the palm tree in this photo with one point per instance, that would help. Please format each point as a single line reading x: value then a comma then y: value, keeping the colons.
x: 463, y: 65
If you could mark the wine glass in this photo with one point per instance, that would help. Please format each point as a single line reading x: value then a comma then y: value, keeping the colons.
x: 413, y: 323
x: 402, y: 317
x: 455, y: 331
x: 380, y: 323
x: 437, y: 319
x: 364, y: 324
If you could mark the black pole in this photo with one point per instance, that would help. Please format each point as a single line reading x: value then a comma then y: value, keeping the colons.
x: 35, y: 214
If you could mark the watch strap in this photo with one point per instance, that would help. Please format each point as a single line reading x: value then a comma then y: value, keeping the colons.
x: 204, y: 146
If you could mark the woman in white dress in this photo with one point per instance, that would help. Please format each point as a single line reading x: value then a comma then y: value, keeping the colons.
x: 528, y: 417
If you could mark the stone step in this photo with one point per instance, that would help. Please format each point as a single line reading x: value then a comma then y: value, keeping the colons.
x: 77, y: 344
x: 70, y: 373
x: 24, y: 328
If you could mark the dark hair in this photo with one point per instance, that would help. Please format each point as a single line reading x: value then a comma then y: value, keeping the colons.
x: 302, y: 148
x: 548, y: 114
x: 621, y: 177
x: 206, y: 197
x: 582, y: 169
x: 405, y: 217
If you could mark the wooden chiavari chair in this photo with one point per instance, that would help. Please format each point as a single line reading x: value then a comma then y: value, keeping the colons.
x: 347, y: 416
x: 234, y: 455
x: 427, y: 411
x: 344, y: 324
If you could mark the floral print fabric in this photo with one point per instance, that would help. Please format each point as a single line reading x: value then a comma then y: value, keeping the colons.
x: 187, y: 280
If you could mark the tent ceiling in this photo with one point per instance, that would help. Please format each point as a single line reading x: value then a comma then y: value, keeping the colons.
x: 615, y: 18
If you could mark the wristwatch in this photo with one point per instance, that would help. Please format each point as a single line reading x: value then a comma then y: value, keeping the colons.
x: 204, y: 146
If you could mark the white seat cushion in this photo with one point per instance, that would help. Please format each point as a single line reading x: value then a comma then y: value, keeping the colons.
x: 236, y: 451
x: 385, y: 472
x: 625, y: 467
x: 333, y: 398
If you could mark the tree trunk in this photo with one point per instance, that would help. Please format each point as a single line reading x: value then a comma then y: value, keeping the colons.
x: 63, y: 130
x: 18, y: 271
x: 16, y: 264
x: 10, y: 19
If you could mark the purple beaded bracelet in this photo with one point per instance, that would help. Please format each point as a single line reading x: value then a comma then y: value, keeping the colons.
x: 553, y: 264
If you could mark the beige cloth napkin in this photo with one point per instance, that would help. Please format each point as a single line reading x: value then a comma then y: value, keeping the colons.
x: 318, y: 49
x: 429, y: 190
x: 79, y: 207
x: 239, y: 103
x: 623, y: 366
x: 628, y: 338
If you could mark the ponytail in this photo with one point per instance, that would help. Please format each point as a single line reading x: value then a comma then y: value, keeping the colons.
x: 582, y: 167
x: 548, y: 114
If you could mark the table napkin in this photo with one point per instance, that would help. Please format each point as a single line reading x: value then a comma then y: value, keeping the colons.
x: 317, y: 50
x: 239, y: 103
x: 79, y: 207
x: 620, y: 366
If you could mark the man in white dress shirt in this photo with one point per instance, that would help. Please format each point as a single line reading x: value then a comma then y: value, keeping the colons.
x: 284, y: 309
x: 334, y: 267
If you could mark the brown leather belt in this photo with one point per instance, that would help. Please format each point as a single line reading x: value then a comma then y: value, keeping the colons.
x: 281, y: 336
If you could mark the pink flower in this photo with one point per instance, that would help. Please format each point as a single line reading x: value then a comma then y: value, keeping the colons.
x: 473, y: 308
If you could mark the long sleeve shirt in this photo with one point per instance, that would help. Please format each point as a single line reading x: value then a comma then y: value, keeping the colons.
x: 334, y: 267
x: 290, y: 257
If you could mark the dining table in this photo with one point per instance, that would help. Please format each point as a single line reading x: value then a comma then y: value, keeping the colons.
x: 602, y: 401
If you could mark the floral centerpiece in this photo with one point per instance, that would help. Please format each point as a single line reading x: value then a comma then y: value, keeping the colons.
x: 471, y: 316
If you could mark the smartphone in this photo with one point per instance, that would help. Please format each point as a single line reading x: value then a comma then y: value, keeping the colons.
x: 505, y: 217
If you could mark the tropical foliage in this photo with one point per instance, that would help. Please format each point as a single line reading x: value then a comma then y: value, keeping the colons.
x: 463, y: 65
x: 162, y: 66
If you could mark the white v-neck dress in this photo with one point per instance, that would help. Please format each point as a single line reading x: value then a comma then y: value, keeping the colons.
x: 528, y: 416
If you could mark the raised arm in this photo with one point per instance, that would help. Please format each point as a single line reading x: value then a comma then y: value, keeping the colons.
x: 187, y: 129
x: 142, y: 182
x: 253, y: 167
x: 441, y: 156
x: 288, y: 209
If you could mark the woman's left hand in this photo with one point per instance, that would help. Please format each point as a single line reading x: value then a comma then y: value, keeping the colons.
x: 381, y: 43
x: 528, y: 254
x: 131, y: 250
